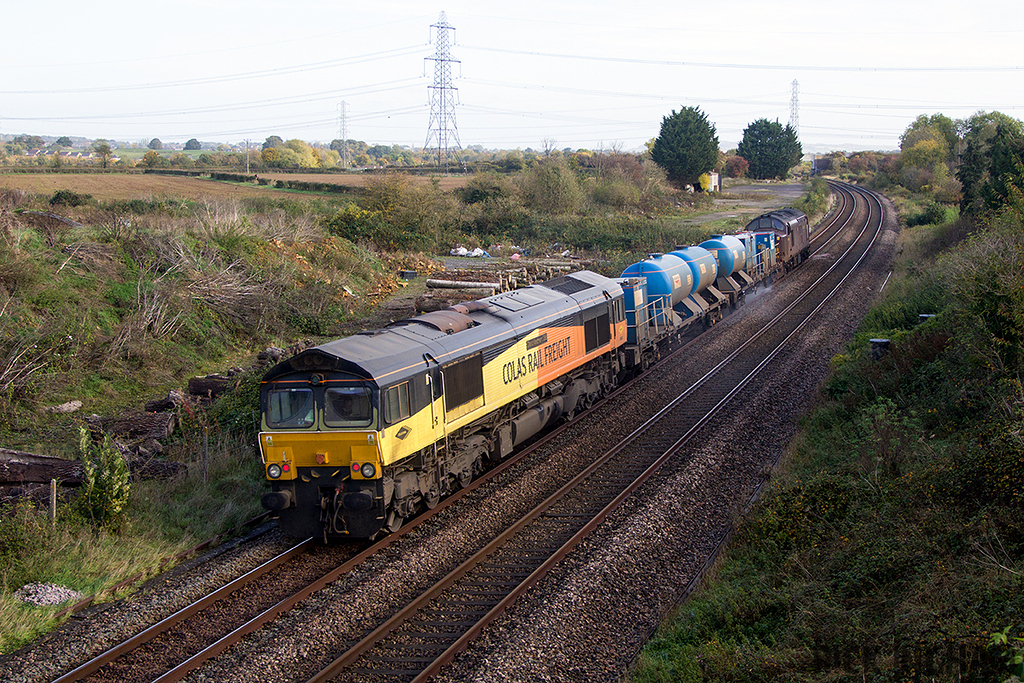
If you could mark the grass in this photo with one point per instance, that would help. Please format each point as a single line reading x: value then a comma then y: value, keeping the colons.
x: 166, y: 518
x: 170, y: 277
x: 890, y: 545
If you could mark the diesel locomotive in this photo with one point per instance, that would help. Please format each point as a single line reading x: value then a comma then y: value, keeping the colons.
x: 359, y: 434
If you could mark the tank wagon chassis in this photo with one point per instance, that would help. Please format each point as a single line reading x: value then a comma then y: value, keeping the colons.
x: 361, y: 433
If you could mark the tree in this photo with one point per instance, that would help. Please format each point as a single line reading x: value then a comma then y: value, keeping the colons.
x: 29, y: 141
x: 64, y: 141
x: 193, y: 144
x: 687, y: 146
x: 269, y: 156
x: 156, y: 144
x: 925, y: 153
x: 736, y: 167
x: 988, y: 171
x: 771, y: 149
x: 103, y: 151
x: 971, y: 173
x: 1006, y: 167
x: 304, y: 157
x: 152, y: 159
x: 552, y: 186
x: 936, y: 127
x: 273, y: 142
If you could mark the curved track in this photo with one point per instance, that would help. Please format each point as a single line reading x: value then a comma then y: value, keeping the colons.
x: 418, y: 640
x: 407, y: 645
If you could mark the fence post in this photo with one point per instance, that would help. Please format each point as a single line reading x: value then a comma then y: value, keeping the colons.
x: 206, y: 454
x: 53, y: 503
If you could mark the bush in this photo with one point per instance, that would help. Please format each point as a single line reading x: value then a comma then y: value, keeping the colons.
x: 552, y: 187
x: 933, y: 214
x: 816, y: 202
x: 69, y: 198
x: 893, y: 540
x: 103, y: 496
x: 484, y: 187
x: 616, y: 193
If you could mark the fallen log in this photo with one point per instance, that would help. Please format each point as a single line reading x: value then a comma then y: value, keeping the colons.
x: 441, y: 299
x: 462, y: 284
x: 17, y: 467
x: 209, y: 387
x: 136, y: 426
x: 173, y: 399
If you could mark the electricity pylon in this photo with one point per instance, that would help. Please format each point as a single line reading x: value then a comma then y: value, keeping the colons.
x: 443, y: 133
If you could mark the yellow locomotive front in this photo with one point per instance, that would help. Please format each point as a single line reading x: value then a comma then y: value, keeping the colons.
x: 320, y: 443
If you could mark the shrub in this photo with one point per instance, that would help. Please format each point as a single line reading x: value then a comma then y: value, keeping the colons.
x: 736, y: 167
x: 69, y: 198
x: 103, y: 496
x: 483, y: 187
x: 815, y: 202
x: 616, y: 193
x: 552, y: 187
x: 933, y: 214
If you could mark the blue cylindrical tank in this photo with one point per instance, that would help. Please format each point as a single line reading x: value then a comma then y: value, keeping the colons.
x: 702, y: 264
x: 668, y: 277
x: 728, y: 251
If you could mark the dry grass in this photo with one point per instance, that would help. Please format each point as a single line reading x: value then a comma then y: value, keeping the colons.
x: 114, y: 187
x: 361, y: 179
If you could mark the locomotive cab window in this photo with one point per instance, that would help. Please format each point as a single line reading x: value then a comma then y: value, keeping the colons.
x: 348, y: 407
x: 619, y: 307
x: 396, y: 403
x: 289, y: 408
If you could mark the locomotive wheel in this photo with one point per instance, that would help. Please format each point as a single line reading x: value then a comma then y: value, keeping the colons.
x: 394, y: 522
x: 431, y: 499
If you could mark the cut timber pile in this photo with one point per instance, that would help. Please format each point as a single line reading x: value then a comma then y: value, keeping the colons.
x: 449, y: 287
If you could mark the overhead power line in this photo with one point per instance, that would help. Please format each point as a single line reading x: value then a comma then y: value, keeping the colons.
x: 725, y: 65
x: 397, y: 52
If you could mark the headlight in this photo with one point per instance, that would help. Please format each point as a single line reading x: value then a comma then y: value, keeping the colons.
x: 274, y: 471
x: 368, y: 470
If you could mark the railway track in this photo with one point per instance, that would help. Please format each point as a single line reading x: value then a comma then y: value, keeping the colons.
x: 482, y: 586
x: 430, y: 630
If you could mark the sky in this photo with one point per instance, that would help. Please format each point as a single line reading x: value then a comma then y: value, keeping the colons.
x: 578, y: 74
